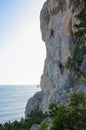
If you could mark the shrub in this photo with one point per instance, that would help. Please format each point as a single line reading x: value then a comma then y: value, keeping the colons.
x: 52, y: 109
x: 72, y: 116
x: 43, y: 126
x: 35, y: 117
x: 75, y: 61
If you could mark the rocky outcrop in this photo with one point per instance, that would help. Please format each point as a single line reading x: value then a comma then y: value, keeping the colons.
x: 35, y: 127
x: 34, y: 102
x: 57, y: 20
x: 57, y: 82
x: 83, y: 66
x: 48, y: 122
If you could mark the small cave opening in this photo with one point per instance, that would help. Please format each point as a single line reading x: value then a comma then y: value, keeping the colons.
x: 61, y: 67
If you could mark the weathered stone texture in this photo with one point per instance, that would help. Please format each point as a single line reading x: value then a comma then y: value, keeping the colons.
x: 83, y: 66
x: 57, y: 82
x: 34, y: 102
x: 35, y: 127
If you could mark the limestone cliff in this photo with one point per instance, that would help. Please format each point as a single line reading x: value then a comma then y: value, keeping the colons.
x: 57, y: 20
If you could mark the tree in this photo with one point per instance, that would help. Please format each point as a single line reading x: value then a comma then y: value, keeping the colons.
x: 82, y: 25
x: 72, y: 116
x: 75, y: 61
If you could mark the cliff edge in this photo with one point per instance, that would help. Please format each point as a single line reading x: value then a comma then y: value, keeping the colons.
x: 57, y: 20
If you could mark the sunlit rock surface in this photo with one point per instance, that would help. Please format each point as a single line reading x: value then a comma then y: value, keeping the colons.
x: 57, y: 20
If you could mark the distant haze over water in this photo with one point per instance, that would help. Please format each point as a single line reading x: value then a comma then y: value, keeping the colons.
x: 13, y: 99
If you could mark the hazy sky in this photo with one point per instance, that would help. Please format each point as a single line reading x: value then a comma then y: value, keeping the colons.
x: 22, y: 52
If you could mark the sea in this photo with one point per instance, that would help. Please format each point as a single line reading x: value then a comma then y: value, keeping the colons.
x: 13, y: 99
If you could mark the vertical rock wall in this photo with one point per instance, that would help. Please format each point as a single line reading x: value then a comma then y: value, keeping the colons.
x: 57, y: 20
x: 57, y: 27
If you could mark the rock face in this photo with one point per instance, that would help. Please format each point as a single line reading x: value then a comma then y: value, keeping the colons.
x: 34, y: 127
x: 57, y: 20
x: 83, y: 65
x: 34, y: 102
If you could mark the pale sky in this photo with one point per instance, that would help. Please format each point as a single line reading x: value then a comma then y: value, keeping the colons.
x: 22, y: 51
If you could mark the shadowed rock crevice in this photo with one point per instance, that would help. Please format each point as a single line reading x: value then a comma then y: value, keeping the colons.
x: 61, y: 67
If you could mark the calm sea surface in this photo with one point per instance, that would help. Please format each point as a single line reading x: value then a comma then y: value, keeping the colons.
x: 13, y: 100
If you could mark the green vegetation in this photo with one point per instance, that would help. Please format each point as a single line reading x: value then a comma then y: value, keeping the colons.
x: 75, y: 61
x: 35, y: 117
x: 72, y: 116
x: 43, y: 126
x: 52, y: 110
